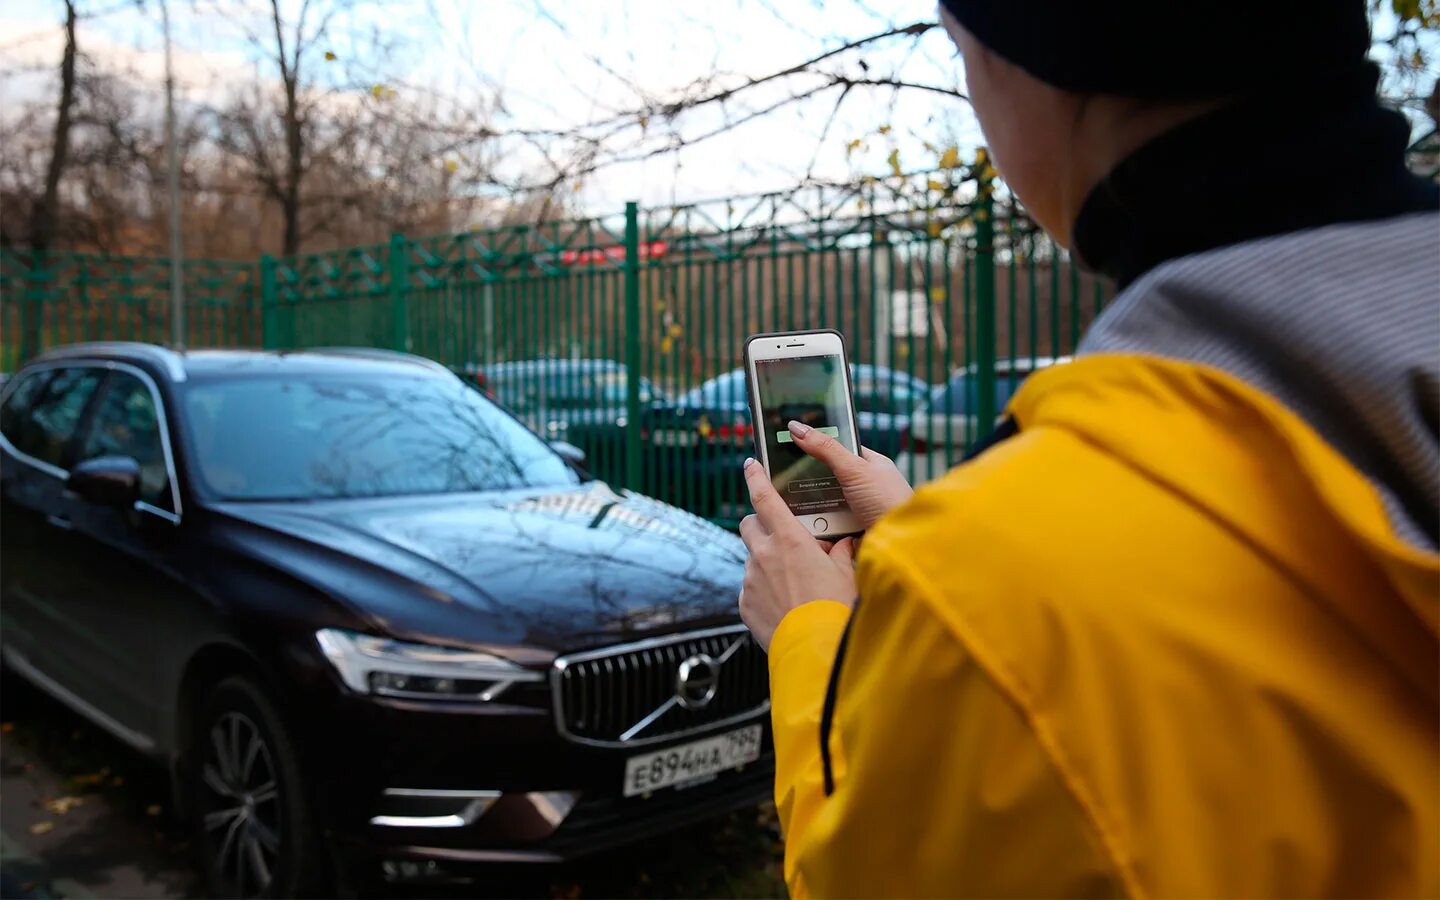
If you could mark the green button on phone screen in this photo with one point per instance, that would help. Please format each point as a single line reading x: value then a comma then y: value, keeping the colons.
x: 783, y: 437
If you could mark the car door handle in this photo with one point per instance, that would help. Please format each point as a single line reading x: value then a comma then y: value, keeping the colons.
x: 59, y: 522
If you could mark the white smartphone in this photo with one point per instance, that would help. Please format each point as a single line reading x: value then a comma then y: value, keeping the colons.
x: 803, y: 376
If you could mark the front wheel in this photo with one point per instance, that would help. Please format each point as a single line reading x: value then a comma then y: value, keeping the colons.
x: 256, y: 834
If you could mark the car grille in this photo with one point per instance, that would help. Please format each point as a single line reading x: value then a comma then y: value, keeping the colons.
x: 626, y: 696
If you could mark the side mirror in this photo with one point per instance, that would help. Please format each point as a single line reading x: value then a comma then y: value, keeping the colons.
x: 569, y: 452
x: 107, y: 481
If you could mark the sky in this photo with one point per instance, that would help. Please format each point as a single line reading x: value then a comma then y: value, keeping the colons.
x: 557, y: 64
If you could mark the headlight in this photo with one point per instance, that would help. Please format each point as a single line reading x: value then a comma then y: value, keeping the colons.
x: 376, y: 665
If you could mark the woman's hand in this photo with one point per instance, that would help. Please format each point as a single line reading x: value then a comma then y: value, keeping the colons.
x: 787, y: 566
x: 872, y: 484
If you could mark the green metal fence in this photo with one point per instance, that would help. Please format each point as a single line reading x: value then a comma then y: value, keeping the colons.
x: 61, y: 298
x: 607, y: 332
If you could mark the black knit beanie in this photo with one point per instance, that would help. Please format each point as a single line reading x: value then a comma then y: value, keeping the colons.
x: 1176, y: 49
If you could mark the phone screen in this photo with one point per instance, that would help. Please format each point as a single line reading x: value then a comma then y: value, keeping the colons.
x: 811, y: 390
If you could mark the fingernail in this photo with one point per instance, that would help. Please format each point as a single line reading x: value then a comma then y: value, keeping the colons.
x: 799, y: 429
x: 749, y: 461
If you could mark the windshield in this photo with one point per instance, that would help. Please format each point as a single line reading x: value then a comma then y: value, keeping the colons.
x: 292, y: 437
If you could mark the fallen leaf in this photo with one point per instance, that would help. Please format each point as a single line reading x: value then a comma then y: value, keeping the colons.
x: 42, y: 827
x: 62, y: 805
x: 950, y: 159
x: 330, y: 56
x: 91, y: 778
x: 894, y: 161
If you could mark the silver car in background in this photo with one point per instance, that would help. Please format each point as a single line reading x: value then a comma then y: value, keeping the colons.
x: 940, y: 431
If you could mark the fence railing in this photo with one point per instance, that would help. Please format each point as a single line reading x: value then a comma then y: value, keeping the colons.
x: 622, y: 334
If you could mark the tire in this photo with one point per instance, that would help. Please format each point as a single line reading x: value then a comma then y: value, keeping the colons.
x: 254, y: 828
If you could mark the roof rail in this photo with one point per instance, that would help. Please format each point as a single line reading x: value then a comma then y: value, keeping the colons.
x: 172, y: 361
x: 378, y: 353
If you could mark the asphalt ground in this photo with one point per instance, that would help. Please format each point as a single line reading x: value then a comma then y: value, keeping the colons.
x: 82, y: 815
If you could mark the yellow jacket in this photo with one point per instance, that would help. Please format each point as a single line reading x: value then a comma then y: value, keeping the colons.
x: 1161, y: 643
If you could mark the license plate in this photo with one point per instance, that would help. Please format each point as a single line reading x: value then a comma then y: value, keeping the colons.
x: 691, y: 762
x: 673, y: 438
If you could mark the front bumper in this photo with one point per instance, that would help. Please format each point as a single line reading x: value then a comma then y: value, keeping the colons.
x: 547, y: 799
x: 594, y: 824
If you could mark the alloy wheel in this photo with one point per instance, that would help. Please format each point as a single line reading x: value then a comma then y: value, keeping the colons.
x: 241, y: 811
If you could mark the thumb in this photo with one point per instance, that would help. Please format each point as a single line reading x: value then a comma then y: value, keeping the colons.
x: 843, y: 552
x: 824, y: 448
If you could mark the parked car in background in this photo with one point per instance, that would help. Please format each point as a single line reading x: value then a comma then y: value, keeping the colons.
x: 579, y: 401
x: 696, y: 445
x: 938, y: 433
x: 342, y: 596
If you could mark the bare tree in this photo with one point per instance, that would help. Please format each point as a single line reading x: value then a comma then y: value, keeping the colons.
x: 279, y: 154
x: 45, y: 213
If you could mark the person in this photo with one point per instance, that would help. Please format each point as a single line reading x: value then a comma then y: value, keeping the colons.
x: 1174, y: 632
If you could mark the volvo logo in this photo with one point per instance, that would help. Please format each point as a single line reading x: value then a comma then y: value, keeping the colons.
x: 696, y: 681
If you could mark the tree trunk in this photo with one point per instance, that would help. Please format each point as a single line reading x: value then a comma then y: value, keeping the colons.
x: 294, y: 147
x: 294, y: 135
x: 294, y: 150
x: 47, y: 213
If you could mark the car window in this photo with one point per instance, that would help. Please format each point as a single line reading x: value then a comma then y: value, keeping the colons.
x: 957, y: 397
x: 610, y: 390
x: 54, y: 414
x: 126, y: 423
x: 290, y: 438
x: 722, y: 390
x: 17, y: 406
x: 880, y: 395
x: 515, y: 391
x: 565, y: 388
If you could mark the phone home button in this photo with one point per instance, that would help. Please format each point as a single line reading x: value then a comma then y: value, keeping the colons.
x: 819, y: 523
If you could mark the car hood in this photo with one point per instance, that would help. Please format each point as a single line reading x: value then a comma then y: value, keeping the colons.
x: 544, y: 569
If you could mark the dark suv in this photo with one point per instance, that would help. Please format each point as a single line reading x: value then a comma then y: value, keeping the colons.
x: 357, y: 607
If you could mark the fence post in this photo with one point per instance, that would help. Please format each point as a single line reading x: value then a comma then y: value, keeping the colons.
x: 269, y: 305
x: 985, y: 410
x: 399, y: 292
x: 632, y: 346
